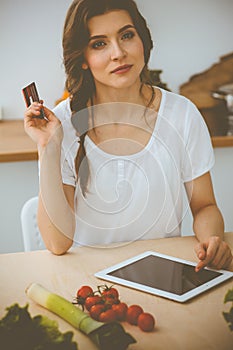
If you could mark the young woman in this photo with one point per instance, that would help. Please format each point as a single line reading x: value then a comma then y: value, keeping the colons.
x: 116, y: 156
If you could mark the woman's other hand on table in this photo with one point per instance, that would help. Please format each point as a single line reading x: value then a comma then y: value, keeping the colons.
x: 214, y: 253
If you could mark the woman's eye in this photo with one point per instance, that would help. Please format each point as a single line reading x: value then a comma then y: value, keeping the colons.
x: 128, y: 35
x: 98, y: 44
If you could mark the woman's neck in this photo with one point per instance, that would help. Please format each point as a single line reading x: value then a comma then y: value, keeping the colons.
x: 133, y: 94
x: 122, y: 108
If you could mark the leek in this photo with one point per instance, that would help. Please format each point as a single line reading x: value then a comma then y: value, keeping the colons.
x: 107, y: 336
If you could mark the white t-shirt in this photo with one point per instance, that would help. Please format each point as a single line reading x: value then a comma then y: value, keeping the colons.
x: 138, y: 196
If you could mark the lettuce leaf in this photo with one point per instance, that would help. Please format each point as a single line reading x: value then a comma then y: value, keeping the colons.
x: 19, y: 331
x: 229, y: 315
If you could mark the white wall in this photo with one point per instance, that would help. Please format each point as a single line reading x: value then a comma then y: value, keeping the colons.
x: 18, y: 182
x: 189, y: 36
x: 30, y: 47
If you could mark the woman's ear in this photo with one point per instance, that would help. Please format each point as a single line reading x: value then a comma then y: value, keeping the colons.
x: 84, y: 66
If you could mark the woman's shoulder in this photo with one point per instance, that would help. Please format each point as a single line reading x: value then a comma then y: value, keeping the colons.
x: 62, y: 110
x: 178, y: 113
x: 173, y: 105
x: 171, y: 97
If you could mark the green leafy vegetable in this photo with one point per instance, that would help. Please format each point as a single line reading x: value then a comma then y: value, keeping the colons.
x: 107, y: 336
x: 19, y: 331
x: 229, y: 296
x: 229, y: 315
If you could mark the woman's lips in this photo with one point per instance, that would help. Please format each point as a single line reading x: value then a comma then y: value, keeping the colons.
x: 122, y: 69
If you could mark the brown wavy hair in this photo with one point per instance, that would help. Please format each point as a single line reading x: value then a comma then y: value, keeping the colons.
x: 79, y: 82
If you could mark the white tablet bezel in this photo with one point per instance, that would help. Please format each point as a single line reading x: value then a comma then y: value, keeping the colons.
x: 104, y: 274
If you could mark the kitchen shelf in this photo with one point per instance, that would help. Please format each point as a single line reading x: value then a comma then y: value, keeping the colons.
x: 222, y: 141
x: 16, y: 145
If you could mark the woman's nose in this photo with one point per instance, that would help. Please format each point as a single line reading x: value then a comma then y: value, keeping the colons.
x: 118, y: 51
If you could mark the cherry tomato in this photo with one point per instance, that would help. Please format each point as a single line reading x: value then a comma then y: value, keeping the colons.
x: 120, y: 310
x: 90, y: 301
x: 107, y: 316
x: 132, y: 314
x: 146, y: 322
x: 110, y: 292
x: 96, y: 310
x: 84, y: 292
x: 109, y: 301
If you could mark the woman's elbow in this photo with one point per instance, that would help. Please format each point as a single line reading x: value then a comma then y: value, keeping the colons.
x: 57, y: 249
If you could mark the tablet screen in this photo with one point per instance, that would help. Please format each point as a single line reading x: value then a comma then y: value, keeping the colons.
x: 164, y: 275
x: 168, y: 275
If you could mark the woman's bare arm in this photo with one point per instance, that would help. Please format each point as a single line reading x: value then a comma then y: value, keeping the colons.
x: 208, y: 224
x: 56, y: 218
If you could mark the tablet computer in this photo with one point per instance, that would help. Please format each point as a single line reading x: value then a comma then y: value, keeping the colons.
x: 164, y: 276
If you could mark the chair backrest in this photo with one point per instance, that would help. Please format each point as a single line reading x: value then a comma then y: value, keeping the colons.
x: 31, y: 235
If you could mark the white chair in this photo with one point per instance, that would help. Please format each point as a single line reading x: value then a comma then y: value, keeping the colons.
x: 31, y: 235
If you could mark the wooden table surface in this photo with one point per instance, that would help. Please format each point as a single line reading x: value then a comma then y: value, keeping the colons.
x: 16, y: 145
x: 195, y: 325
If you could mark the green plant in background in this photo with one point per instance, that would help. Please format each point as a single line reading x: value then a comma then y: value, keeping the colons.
x: 229, y: 315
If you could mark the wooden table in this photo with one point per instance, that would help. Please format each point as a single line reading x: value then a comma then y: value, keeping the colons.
x: 194, y: 325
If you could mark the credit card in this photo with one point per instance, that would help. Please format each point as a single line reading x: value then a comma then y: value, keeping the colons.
x: 30, y: 94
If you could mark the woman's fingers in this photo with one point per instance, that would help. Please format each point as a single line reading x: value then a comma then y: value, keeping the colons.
x: 49, y: 114
x: 42, y: 130
x: 200, y: 251
x: 223, y: 257
x: 214, y: 253
x: 33, y: 110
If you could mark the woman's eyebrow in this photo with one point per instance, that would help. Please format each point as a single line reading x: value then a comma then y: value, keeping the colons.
x: 94, y: 37
x: 125, y: 28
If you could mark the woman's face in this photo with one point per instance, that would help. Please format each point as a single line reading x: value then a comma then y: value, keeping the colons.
x: 115, y: 53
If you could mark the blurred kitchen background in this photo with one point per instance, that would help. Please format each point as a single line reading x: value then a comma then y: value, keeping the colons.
x: 189, y: 38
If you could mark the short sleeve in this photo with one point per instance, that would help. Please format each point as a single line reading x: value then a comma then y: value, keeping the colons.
x: 199, y: 154
x: 69, y: 143
x: 67, y: 171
